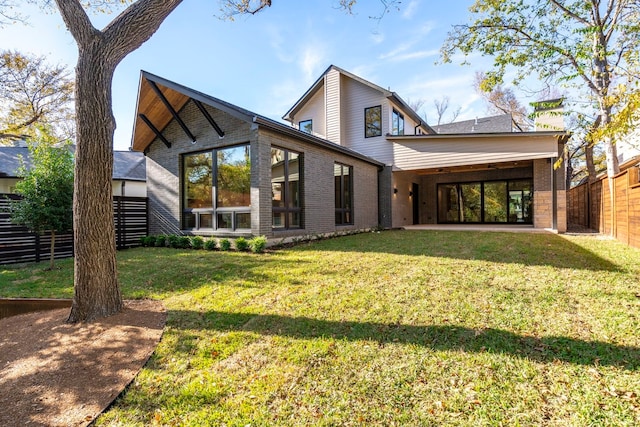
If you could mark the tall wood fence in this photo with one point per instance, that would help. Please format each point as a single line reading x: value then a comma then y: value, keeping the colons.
x: 589, y: 206
x: 18, y: 244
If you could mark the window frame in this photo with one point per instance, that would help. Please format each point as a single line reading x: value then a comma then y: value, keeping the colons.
x: 367, y: 126
x: 396, y: 118
x: 344, y: 212
x: 286, y: 209
x: 214, y: 210
x: 301, y: 126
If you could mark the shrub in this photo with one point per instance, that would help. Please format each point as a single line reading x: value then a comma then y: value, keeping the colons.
x: 242, y: 244
x: 174, y: 241
x: 161, y: 240
x: 258, y: 244
x: 210, y: 245
x: 225, y: 244
x: 150, y: 241
x: 184, y: 242
x: 197, y: 242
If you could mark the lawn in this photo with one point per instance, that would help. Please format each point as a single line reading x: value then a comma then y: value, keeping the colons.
x: 406, y: 328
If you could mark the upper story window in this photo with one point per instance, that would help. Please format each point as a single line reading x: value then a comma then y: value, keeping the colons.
x: 306, y: 126
x: 286, y: 188
x: 397, y: 123
x: 373, y: 121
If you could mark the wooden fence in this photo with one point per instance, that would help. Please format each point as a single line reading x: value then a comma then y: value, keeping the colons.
x: 589, y: 206
x: 17, y: 244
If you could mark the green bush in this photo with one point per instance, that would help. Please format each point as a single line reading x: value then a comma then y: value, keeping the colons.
x: 149, y: 241
x: 210, y: 244
x: 161, y: 241
x: 242, y: 244
x: 225, y: 244
x: 197, y: 242
x: 184, y: 242
x: 258, y: 244
x: 174, y: 241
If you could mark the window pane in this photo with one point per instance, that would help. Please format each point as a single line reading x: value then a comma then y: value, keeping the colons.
x: 189, y: 220
x: 198, y: 173
x: 495, y: 201
x: 294, y: 220
x: 277, y: 196
x: 224, y: 220
x: 243, y: 220
x: 373, y: 121
x: 278, y: 220
x: 397, y: 121
x: 448, y: 203
x: 234, y: 177
x: 471, y: 194
x: 306, y: 126
x: 294, y: 180
x: 206, y: 221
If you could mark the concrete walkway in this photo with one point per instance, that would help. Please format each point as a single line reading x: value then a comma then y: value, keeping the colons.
x: 508, y: 228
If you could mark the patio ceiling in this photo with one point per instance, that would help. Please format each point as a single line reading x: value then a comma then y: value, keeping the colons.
x: 475, y: 168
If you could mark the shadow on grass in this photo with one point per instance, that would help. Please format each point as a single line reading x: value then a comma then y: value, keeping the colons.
x: 544, y: 249
x: 437, y: 337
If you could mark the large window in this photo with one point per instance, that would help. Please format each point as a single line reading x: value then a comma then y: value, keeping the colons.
x: 397, y: 123
x: 486, y: 202
x: 373, y: 121
x: 286, y: 188
x: 342, y: 176
x: 229, y: 179
x: 306, y: 126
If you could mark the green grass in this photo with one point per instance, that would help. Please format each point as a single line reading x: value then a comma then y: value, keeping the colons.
x: 394, y: 328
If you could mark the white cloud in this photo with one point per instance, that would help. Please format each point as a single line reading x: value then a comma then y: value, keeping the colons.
x: 410, y: 9
x: 312, y: 59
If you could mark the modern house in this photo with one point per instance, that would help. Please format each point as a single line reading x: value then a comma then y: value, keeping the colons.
x: 354, y: 156
x: 129, y: 175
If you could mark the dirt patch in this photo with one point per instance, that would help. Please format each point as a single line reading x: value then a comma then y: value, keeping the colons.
x: 56, y: 374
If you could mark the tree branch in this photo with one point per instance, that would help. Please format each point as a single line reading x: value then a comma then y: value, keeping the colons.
x: 77, y: 21
x: 569, y: 13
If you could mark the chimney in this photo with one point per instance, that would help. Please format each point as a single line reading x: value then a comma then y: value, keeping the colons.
x: 549, y: 115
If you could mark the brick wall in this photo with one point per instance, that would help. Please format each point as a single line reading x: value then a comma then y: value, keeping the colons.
x: 164, y: 171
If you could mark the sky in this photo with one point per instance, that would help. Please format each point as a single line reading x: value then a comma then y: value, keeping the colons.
x: 265, y: 62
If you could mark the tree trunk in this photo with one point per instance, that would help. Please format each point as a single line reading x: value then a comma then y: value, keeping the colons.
x: 96, y: 289
x: 52, y: 249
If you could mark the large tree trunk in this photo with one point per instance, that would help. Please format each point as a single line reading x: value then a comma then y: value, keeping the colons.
x: 96, y: 290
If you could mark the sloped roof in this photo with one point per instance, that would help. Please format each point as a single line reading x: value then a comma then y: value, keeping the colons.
x: 385, y: 92
x: 178, y: 95
x: 126, y: 165
x: 494, y: 124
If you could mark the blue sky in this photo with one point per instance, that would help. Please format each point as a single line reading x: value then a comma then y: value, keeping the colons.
x: 264, y: 63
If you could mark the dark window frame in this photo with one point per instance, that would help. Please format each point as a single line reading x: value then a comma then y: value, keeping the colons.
x: 377, y: 131
x: 214, y: 210
x: 343, y: 212
x: 287, y: 210
x: 302, y: 125
x: 396, y: 119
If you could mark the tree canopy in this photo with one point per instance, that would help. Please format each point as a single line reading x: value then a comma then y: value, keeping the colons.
x: 33, y: 94
x: 589, y: 46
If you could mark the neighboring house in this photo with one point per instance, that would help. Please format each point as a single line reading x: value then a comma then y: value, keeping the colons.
x: 129, y: 174
x: 355, y: 156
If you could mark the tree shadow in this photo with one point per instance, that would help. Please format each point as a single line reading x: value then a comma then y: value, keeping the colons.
x: 436, y: 337
x: 531, y: 249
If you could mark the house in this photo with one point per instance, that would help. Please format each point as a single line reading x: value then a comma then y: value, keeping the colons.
x: 353, y: 156
x: 483, y: 175
x: 129, y: 173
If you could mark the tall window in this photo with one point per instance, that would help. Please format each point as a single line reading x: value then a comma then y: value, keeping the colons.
x: 306, y: 126
x: 342, y: 175
x: 286, y: 188
x: 397, y: 123
x: 373, y: 121
x: 229, y: 178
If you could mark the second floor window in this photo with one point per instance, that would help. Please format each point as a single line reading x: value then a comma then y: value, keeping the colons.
x: 397, y: 123
x: 373, y: 121
x: 306, y: 126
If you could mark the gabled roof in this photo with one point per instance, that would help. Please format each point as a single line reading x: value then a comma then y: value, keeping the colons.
x: 177, y: 95
x: 126, y: 165
x: 494, y: 124
x: 385, y: 92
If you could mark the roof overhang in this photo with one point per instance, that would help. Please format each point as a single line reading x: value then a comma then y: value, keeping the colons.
x: 420, y: 152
